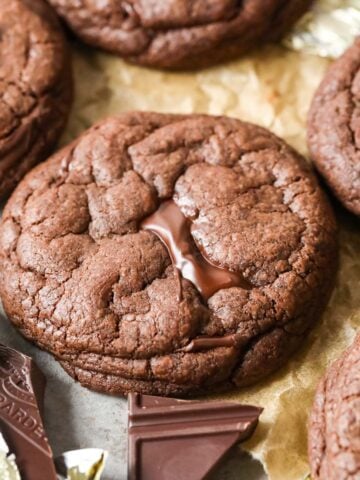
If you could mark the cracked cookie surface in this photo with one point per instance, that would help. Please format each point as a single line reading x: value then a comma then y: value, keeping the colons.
x: 334, y: 429
x: 35, y: 86
x: 334, y: 128
x: 175, y: 33
x: 84, y: 281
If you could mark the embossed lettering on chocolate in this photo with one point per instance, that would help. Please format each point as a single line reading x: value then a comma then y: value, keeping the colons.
x: 82, y: 278
x: 22, y: 387
x: 35, y: 87
x: 179, y: 33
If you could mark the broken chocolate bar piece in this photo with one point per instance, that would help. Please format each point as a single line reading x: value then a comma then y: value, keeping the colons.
x: 22, y: 388
x: 183, y: 440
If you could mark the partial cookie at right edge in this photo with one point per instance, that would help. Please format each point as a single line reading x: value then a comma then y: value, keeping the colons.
x: 334, y: 431
x: 334, y: 128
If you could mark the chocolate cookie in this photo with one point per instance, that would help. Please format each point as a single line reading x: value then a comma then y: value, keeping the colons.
x: 176, y: 33
x: 334, y: 128
x: 334, y: 430
x: 168, y: 254
x: 35, y: 85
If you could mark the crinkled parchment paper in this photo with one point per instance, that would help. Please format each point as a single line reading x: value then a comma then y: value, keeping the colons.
x: 272, y: 87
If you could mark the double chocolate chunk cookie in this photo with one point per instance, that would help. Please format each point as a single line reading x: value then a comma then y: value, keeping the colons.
x: 175, y: 33
x: 35, y: 85
x: 334, y: 431
x: 334, y: 128
x: 168, y: 254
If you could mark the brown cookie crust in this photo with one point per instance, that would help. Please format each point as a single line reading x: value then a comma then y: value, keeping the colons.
x: 35, y: 85
x: 334, y: 429
x: 81, y: 280
x: 177, y: 33
x: 334, y: 128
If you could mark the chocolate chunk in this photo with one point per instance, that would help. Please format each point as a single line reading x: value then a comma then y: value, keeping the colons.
x: 173, y: 229
x: 174, y: 439
x: 22, y: 388
x: 205, y: 343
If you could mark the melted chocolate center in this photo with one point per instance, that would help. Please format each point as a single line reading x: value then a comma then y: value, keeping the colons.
x: 174, y: 230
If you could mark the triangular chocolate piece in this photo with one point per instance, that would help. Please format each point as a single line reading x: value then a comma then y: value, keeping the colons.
x: 183, y: 440
x: 22, y: 388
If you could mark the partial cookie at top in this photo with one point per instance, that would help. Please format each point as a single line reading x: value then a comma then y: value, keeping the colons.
x: 175, y: 33
x: 82, y: 279
x: 35, y: 85
x: 334, y: 429
x: 334, y: 128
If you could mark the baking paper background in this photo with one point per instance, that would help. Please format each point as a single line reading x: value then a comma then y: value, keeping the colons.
x: 272, y: 87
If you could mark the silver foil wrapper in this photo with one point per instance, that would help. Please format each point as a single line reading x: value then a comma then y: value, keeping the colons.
x: 8, y: 467
x: 327, y: 29
x: 84, y: 464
